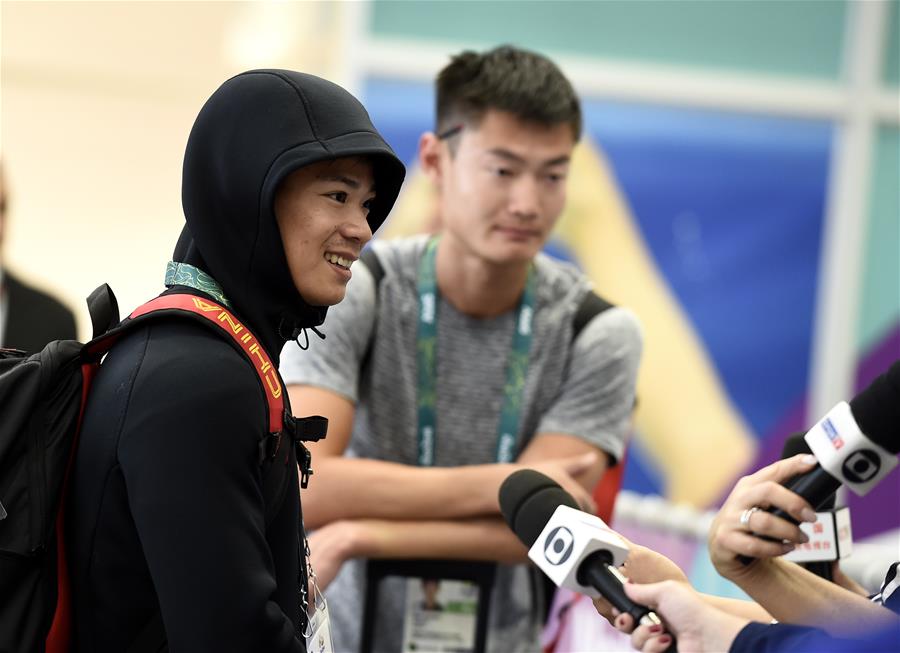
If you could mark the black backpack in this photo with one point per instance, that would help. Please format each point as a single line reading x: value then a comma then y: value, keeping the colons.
x: 42, y: 399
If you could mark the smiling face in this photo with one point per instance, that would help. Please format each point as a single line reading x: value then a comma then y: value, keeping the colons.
x: 322, y: 212
x: 504, y: 186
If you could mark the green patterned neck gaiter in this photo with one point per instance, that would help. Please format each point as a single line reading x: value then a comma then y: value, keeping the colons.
x: 183, y: 274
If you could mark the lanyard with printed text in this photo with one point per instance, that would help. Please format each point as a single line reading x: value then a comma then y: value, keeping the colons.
x: 426, y: 358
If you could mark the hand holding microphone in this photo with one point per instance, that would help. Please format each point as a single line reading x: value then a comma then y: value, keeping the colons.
x: 855, y: 444
x: 830, y: 537
x: 576, y: 550
x: 741, y: 529
x: 642, y: 565
x: 698, y: 625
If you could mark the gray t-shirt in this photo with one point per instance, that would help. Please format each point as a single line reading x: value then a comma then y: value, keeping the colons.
x: 584, y: 388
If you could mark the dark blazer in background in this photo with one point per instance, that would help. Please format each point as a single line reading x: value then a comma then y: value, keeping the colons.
x: 33, y: 318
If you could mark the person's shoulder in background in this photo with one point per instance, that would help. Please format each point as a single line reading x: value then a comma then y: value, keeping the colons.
x: 33, y: 317
x: 399, y: 257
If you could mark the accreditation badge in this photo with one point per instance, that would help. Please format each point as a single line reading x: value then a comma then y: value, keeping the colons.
x: 319, y: 638
x: 440, y: 615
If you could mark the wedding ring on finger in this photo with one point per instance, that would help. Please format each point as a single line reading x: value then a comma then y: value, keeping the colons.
x: 745, y: 517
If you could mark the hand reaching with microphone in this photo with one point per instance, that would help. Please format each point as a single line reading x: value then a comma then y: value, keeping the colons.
x: 700, y: 626
x: 642, y: 565
x: 785, y: 590
x: 741, y: 524
x: 696, y: 624
x: 645, y: 566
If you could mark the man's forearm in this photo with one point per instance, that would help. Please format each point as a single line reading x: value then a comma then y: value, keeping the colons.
x: 792, y: 594
x: 485, y: 539
x: 354, y: 488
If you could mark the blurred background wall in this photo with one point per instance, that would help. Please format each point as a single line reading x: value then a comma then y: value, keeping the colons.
x: 98, y: 99
x: 737, y: 182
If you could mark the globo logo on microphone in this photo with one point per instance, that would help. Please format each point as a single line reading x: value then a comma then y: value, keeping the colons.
x: 861, y: 466
x: 567, y: 539
x: 845, y: 452
x: 559, y: 545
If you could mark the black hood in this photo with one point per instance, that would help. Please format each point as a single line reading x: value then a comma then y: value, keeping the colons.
x: 255, y: 130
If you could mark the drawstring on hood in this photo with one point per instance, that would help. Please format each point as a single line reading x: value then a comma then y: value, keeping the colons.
x: 296, y: 333
x: 254, y: 131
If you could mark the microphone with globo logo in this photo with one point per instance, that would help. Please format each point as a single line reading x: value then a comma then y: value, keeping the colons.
x: 855, y: 444
x: 576, y: 550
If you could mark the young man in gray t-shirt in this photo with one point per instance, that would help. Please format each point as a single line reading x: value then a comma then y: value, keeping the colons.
x: 459, y: 366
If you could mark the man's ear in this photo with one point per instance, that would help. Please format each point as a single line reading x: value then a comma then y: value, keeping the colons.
x: 430, y: 156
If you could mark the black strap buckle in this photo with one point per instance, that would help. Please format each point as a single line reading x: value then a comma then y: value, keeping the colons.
x: 304, y: 460
x: 306, y: 429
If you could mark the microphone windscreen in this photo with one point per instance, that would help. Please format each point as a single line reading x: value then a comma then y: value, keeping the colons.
x: 527, y: 501
x: 877, y: 410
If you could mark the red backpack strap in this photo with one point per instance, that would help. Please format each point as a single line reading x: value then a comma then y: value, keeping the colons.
x: 215, y: 314
x: 240, y: 334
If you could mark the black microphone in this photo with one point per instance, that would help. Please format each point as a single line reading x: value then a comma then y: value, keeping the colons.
x: 576, y: 550
x: 794, y: 445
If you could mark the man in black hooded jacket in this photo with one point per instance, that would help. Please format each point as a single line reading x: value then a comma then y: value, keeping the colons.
x: 171, y: 512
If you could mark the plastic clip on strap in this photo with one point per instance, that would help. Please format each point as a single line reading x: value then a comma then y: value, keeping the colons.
x: 304, y: 459
x: 306, y: 429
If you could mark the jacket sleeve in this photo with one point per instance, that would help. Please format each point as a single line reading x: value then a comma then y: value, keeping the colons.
x: 787, y: 638
x: 189, y: 452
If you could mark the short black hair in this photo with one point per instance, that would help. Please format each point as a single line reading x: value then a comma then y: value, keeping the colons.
x: 523, y: 83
